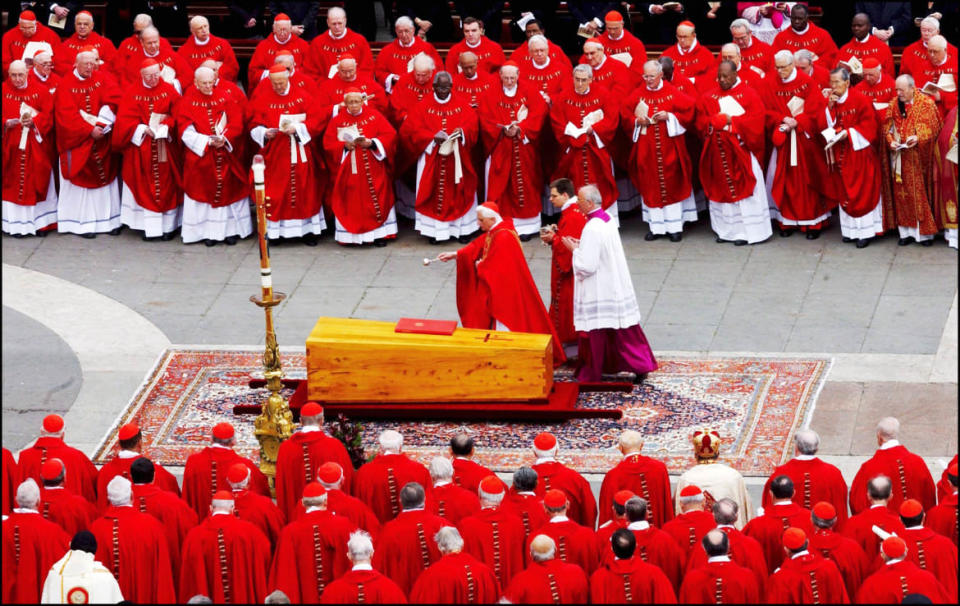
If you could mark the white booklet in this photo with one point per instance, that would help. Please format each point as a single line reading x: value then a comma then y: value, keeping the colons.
x: 730, y: 106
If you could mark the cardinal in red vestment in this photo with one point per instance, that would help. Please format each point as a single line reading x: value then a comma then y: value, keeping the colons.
x: 494, y: 535
x: 330, y: 91
x: 83, y: 36
x: 540, y: 70
x: 927, y: 549
x: 865, y: 46
x: 909, y: 474
x: 620, y: 44
x: 940, y: 72
x: 406, y: 546
x: 252, y: 507
x: 805, y: 35
x: 81, y: 474
x: 576, y: 544
x: 522, y: 500
x: 133, y: 546
x: 15, y: 40
x: 489, y: 53
x: 174, y: 68
x: 754, y: 53
x: 860, y: 526
x: 396, y: 59
x: 719, y: 579
x: 548, y: 579
x: 879, y: 89
x: 130, y: 45
x: 301, y: 456
x: 282, y: 38
x: 694, y: 521
x: 690, y: 58
x: 767, y: 529
x: 943, y: 517
x: 627, y: 579
x: 312, y: 551
x: 467, y: 473
x: 330, y: 476
x: 29, y: 197
x: 362, y: 584
x: 447, y: 500
x: 741, y: 549
x: 442, y: 130
x: 328, y: 48
x: 225, y: 558
x: 472, y: 83
x: 203, y: 45
x: 535, y: 29
x: 379, y: 481
x: 206, y: 471
x: 654, y: 546
x: 411, y: 89
x: 844, y: 551
x: 130, y: 442
x: 10, y: 476
x: 71, y: 511
x: 563, y: 197
x: 618, y: 521
x: 31, y: 546
x: 552, y: 474
x: 914, y: 56
x: 899, y: 577
x: 805, y: 577
x: 457, y: 577
x: 644, y: 476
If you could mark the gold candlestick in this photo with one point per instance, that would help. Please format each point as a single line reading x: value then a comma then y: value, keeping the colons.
x: 275, y: 423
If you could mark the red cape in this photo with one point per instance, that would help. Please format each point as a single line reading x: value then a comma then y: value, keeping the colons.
x: 298, y: 460
x: 571, y: 224
x: 35, y: 544
x: 744, y: 551
x: 496, y: 537
x: 807, y: 579
x: 845, y: 553
x: 555, y: 475
x: 379, y: 481
x: 943, y: 518
x: 687, y: 529
x: 118, y: 466
x: 70, y: 511
x: 909, y: 474
x: 457, y: 578
x: 133, y: 546
x: 527, y: 507
x: 81, y: 474
x: 630, y: 582
x: 310, y: 554
x: 645, y: 477
x: 453, y: 503
x: 550, y: 582
x: 261, y: 512
x: 226, y: 559
x: 893, y: 582
x: 374, y: 588
x: 813, y: 481
x: 576, y: 544
x: 406, y: 547
x: 859, y: 528
x: 768, y: 529
x: 733, y: 583
x: 658, y: 548
x: 173, y: 513
x: 26, y: 175
x: 468, y: 474
x: 206, y: 472
x: 217, y: 49
x: 10, y: 475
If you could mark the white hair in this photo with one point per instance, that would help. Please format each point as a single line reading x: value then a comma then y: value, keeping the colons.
x: 544, y: 557
x: 391, y: 441
x: 888, y: 428
x: 495, y: 499
x: 785, y: 55
x: 204, y: 71
x: 287, y: 60
x: 320, y: 501
x: 740, y: 23
x: 731, y: 46
x: 583, y: 68
x: 908, y: 79
x: 336, y: 11
x: 143, y: 19
x: 347, y: 60
x: 937, y: 42
x: 689, y: 500
x: 422, y: 61
x: 515, y: 68
x: 801, y: 55
x: 28, y: 494
x: 589, y: 43
x: 931, y: 21
x: 440, y: 469
x: 590, y: 192
x: 149, y: 30
x: 448, y: 540
x: 655, y: 64
x: 359, y: 546
x: 537, y: 39
x: 18, y: 64
x: 45, y: 53
x: 403, y: 20
x: 197, y: 20
x: 222, y: 504
x: 93, y: 55
x: 807, y: 441
x: 119, y: 491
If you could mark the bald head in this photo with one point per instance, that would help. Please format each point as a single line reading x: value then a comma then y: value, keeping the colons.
x: 542, y: 548
x: 730, y: 52
x: 879, y: 489
x: 18, y: 73
x: 888, y: 428
x: 726, y: 512
x: 141, y: 22
x: 631, y: 441
x: 938, y: 42
x: 716, y: 543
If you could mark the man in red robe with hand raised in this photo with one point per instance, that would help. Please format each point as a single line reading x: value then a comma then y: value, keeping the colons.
x: 379, y: 481
x: 644, y: 476
x: 362, y: 584
x: 494, y: 535
x: 457, y: 577
x: 563, y: 197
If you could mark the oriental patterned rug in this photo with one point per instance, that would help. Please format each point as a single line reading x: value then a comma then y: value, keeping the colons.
x: 755, y: 403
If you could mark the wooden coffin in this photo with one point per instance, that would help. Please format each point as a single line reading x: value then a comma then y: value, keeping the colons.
x: 367, y: 361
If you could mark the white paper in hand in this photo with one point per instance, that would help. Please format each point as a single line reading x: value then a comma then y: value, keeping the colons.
x: 221, y: 126
x: 522, y: 112
x: 880, y: 106
x: 25, y: 110
x: 592, y: 118
x: 168, y: 74
x: 730, y: 106
x: 625, y: 58
x: 348, y: 134
x: 795, y: 105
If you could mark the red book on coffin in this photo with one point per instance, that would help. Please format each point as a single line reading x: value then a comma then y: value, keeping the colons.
x: 426, y: 327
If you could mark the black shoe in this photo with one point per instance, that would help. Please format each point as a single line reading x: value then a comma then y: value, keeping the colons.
x: 43, y: 233
x: 309, y: 239
x: 813, y: 234
x: 170, y: 235
x: 719, y: 240
x: 863, y: 243
x: 640, y: 378
x: 675, y: 237
x: 231, y: 240
x: 927, y: 242
x: 147, y: 238
x: 650, y: 237
x: 847, y: 240
x: 116, y: 231
x: 904, y: 241
x: 435, y: 241
x: 382, y: 242
x: 786, y: 233
x: 740, y: 243
x: 19, y: 236
x: 209, y: 242
x: 526, y: 237
x: 88, y: 236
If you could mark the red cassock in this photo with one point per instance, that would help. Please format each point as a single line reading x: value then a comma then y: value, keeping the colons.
x: 726, y: 171
x: 83, y: 161
x: 768, y: 529
x: 815, y: 39
x: 630, y: 582
x: 310, y: 554
x: 489, y: 55
x: 708, y: 80
x: 406, y: 94
x: 576, y: 544
x: 813, y: 480
x: 553, y: 475
x: 218, y: 177
x: 361, y: 199
x: 883, y: 93
x: 571, y: 224
x: 944, y: 487
x: 325, y: 53
x: 909, y: 474
x: 893, y: 582
x: 627, y: 44
x: 528, y: 507
x: 152, y: 169
x: 475, y: 88
x: 744, y: 551
x: 494, y: 284
x: 672, y: 179
x: 26, y: 174
x: 720, y: 583
x: 691, y: 63
x: 859, y: 528
x: 299, y: 458
x: 298, y: 79
x: 181, y: 69
x: 440, y: 195
x: 928, y: 72
x: 807, y: 579
x: 10, y: 475
x: 352, y: 508
x: 66, y: 56
x: 615, y: 77
x: 81, y: 477
x: 133, y: 546
x: 915, y: 56
x: 550, y: 582
x: 457, y: 578
x: 226, y: 559
x: 687, y: 529
x: 870, y: 47
x: 363, y: 587
x: 34, y: 545
x: 120, y: 466
x: 395, y: 59
x: 585, y: 158
x: 206, y: 472
x: 759, y: 54
x: 934, y: 553
x: 131, y: 46
x: 521, y: 56
x: 943, y: 518
x: 552, y: 78
x: 330, y: 91
x: 845, y: 553
x: 265, y: 52
x: 379, y: 481
x: 298, y: 194
x: 173, y: 513
x: 50, y: 83
x: 496, y: 537
x: 468, y: 473
x: 261, y: 512
x: 799, y: 180
x: 645, y: 477
x: 513, y: 173
x: 453, y: 503
x: 215, y: 48
x: 656, y: 547
x: 406, y: 546
x: 70, y: 511
x: 14, y: 43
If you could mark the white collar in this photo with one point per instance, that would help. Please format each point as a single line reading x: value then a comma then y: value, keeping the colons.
x: 920, y: 526
x: 659, y: 86
x: 81, y: 78
x: 220, y: 446
x: 479, y: 42
x: 312, y: 509
x: 286, y: 91
x: 420, y: 508
x: 782, y: 502
x: 586, y: 92
x: 544, y: 66
x: 288, y: 39
x: 128, y: 454
x: 865, y: 40
x: 443, y: 101
x: 308, y: 428
x: 803, y: 457
x: 510, y: 92
x: 803, y: 32
x: 791, y: 77
x: 797, y: 555
x: 892, y: 562
x: 601, y: 63
x: 46, y: 488
x: 878, y: 505
x: 556, y: 519
x: 726, y: 526
x: 889, y: 443
x: 570, y: 202
x: 442, y: 483
x: 689, y: 50
x: 204, y: 43
x: 340, y: 37
x: 22, y: 510
x: 146, y: 54
x: 362, y: 567
x: 461, y: 458
x: 946, y: 57
x: 749, y: 45
x: 412, y: 42
x: 718, y: 559
x: 533, y: 494
x: 843, y: 100
x: 638, y: 525
x: 220, y: 513
x: 473, y: 78
x: 541, y: 460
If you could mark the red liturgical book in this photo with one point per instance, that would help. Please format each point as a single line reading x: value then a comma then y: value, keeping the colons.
x: 426, y: 327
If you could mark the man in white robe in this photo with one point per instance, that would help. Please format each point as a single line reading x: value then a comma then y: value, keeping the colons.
x: 716, y: 480
x: 77, y: 578
x: 605, y: 309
